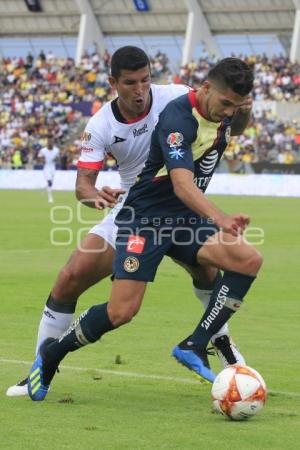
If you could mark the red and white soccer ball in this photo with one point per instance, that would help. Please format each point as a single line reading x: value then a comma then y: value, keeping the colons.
x: 239, y: 392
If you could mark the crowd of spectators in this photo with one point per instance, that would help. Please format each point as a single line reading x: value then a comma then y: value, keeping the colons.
x: 275, y: 78
x: 39, y: 98
x: 264, y: 140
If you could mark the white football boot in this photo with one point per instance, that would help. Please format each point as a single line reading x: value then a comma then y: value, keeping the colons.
x: 18, y: 390
x: 228, y: 352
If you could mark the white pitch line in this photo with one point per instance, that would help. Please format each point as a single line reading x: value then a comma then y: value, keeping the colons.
x: 112, y: 372
x: 137, y: 375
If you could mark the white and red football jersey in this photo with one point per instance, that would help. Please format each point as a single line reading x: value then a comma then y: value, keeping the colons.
x: 128, y: 143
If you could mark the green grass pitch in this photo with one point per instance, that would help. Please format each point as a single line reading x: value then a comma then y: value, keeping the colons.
x: 126, y: 392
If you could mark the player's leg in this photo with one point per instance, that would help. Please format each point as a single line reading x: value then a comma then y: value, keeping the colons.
x: 49, y: 191
x: 89, y: 264
x: 135, y: 263
x: 204, y: 280
x: 124, y: 303
x: 49, y: 175
x: 240, y: 262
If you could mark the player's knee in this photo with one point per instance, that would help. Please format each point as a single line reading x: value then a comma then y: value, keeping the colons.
x: 71, y: 274
x: 125, y: 317
x: 123, y: 314
x: 253, y: 263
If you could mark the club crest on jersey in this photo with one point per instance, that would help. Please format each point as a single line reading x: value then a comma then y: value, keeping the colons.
x: 131, y: 264
x: 135, y: 244
x: 85, y: 137
x: 227, y: 134
x: 176, y: 153
x: 175, y: 139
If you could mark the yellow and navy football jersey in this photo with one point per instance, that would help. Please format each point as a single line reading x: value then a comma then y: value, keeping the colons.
x: 183, y: 138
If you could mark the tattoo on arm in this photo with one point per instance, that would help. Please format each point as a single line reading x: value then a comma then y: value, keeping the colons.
x: 86, y: 176
x: 85, y: 183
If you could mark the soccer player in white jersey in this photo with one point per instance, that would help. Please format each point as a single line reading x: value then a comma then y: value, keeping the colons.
x: 122, y: 127
x: 49, y: 154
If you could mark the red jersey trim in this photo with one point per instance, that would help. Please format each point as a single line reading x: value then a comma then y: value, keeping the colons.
x: 194, y: 103
x: 90, y: 165
x: 137, y: 119
x: 161, y: 178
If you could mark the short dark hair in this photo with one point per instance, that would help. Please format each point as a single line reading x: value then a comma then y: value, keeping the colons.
x: 128, y: 58
x: 233, y: 73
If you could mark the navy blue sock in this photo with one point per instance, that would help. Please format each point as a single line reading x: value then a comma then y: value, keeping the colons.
x: 65, y: 308
x: 226, y: 299
x: 88, y: 328
x: 207, y: 285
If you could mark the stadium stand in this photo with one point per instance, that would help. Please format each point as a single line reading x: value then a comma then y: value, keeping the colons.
x: 45, y: 93
x: 276, y: 78
x: 50, y: 96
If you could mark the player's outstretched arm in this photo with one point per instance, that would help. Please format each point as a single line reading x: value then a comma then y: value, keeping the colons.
x: 89, y: 195
x: 193, y: 198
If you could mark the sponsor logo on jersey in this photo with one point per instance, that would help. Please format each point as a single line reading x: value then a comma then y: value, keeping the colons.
x: 175, y: 139
x: 135, y: 244
x: 202, y: 182
x: 118, y: 139
x: 131, y: 264
x: 85, y: 137
x: 227, y: 134
x: 138, y: 131
x: 207, y: 164
x: 176, y: 153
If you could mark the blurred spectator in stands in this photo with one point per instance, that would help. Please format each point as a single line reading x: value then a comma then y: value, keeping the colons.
x: 63, y: 159
x: 110, y: 163
x: 96, y: 105
x: 286, y: 156
x: 29, y: 61
x: 16, y: 160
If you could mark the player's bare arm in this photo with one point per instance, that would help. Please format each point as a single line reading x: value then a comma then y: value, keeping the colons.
x: 188, y: 193
x: 87, y: 193
x: 241, y: 117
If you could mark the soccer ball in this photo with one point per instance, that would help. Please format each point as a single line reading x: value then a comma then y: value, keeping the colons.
x: 238, y: 392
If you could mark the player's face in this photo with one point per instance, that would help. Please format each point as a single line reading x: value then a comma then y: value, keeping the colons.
x: 219, y: 104
x: 133, y: 89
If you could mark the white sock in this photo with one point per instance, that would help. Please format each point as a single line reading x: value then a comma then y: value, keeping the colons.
x: 49, y: 192
x: 204, y: 296
x: 53, y: 324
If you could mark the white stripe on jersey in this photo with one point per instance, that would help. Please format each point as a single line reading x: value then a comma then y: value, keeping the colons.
x: 128, y: 143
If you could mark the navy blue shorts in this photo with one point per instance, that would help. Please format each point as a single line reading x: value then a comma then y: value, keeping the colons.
x: 140, y: 248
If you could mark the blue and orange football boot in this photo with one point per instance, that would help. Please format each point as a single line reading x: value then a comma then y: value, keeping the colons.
x: 194, y: 358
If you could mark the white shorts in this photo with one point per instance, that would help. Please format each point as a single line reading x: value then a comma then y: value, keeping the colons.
x: 107, y: 228
x: 49, y: 173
